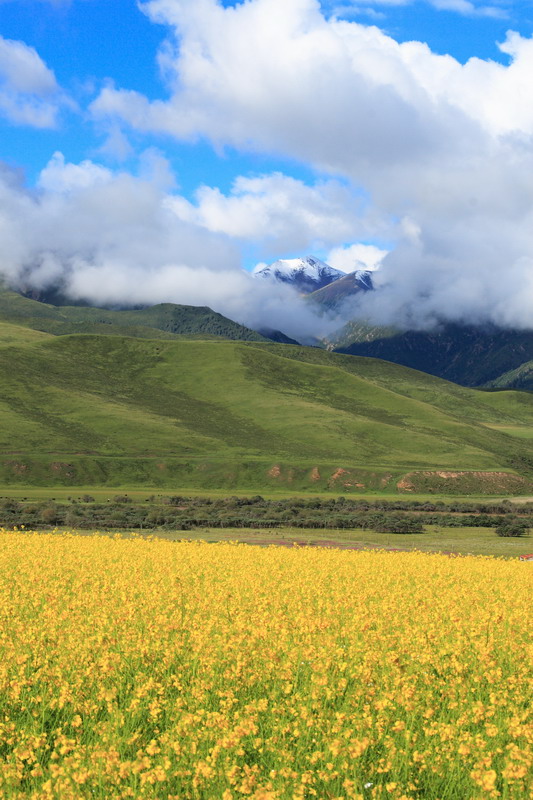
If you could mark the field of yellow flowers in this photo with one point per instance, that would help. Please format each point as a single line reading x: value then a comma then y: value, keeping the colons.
x: 153, y: 669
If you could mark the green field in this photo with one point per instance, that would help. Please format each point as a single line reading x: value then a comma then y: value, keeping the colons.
x: 435, y: 539
x: 142, y: 494
x: 82, y: 410
x: 520, y: 431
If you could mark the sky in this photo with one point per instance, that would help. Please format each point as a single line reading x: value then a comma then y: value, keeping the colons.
x: 158, y: 150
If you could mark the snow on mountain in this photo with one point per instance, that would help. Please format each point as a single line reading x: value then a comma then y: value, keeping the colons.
x: 305, y: 274
x: 364, y: 277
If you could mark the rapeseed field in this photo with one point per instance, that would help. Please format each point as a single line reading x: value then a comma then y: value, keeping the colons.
x: 133, y: 668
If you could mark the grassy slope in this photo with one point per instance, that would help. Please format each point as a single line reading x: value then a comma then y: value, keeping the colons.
x: 357, y: 331
x: 124, y: 411
x: 519, y: 378
x: 163, y: 321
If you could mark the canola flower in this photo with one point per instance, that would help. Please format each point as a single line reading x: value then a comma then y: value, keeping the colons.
x: 133, y: 668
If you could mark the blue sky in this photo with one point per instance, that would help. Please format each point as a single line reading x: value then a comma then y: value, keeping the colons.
x: 217, y: 135
x: 88, y: 42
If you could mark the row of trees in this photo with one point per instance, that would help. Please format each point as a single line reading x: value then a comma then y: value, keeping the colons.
x: 120, y: 512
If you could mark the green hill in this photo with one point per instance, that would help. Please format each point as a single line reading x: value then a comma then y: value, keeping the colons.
x: 519, y: 378
x: 87, y: 409
x: 162, y: 321
x: 354, y: 332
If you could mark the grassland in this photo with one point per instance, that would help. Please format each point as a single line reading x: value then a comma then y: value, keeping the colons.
x: 270, y: 673
x: 162, y: 321
x: 519, y: 378
x: 103, y: 493
x: 435, y: 539
x: 120, y: 411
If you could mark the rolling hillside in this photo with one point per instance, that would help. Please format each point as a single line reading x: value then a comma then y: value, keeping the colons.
x: 163, y: 321
x: 87, y: 409
x: 519, y: 378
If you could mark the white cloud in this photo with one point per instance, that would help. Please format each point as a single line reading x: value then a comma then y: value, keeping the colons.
x: 337, y: 94
x: 59, y: 176
x: 29, y: 93
x: 279, y: 213
x: 116, y: 144
x: 356, y: 256
x: 114, y: 238
x: 444, y: 145
x: 465, y: 7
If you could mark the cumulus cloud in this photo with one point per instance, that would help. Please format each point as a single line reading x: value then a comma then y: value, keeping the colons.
x: 442, y: 149
x: 279, y: 213
x: 29, y: 93
x: 59, y: 176
x: 357, y: 256
x: 115, y: 239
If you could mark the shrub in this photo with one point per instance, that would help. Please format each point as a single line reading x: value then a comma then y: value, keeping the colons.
x: 399, y: 523
x: 122, y: 498
x: 50, y: 515
x: 513, y: 527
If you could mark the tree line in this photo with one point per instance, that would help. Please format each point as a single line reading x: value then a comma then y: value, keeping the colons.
x: 179, y: 512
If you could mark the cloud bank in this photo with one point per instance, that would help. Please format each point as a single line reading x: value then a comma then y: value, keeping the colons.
x: 424, y: 159
x: 442, y: 150
x: 116, y: 238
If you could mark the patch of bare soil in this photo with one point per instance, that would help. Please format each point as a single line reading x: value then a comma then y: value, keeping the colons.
x: 405, y: 485
x: 17, y: 467
x: 462, y: 482
x: 63, y: 469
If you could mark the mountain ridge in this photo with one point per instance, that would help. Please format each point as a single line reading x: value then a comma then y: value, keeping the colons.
x: 465, y: 354
x: 306, y: 274
x: 163, y: 320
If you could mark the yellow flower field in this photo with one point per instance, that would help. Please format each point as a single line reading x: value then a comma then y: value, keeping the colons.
x: 153, y: 669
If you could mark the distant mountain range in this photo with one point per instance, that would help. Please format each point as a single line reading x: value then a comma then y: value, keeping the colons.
x: 335, y: 294
x: 465, y: 354
x: 306, y: 274
x: 325, y: 286
x: 519, y: 378
x: 469, y: 355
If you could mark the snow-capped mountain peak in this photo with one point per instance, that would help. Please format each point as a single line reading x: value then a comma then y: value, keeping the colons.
x: 305, y: 274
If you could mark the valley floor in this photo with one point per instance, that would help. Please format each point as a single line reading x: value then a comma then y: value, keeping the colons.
x: 435, y: 539
x: 142, y: 494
